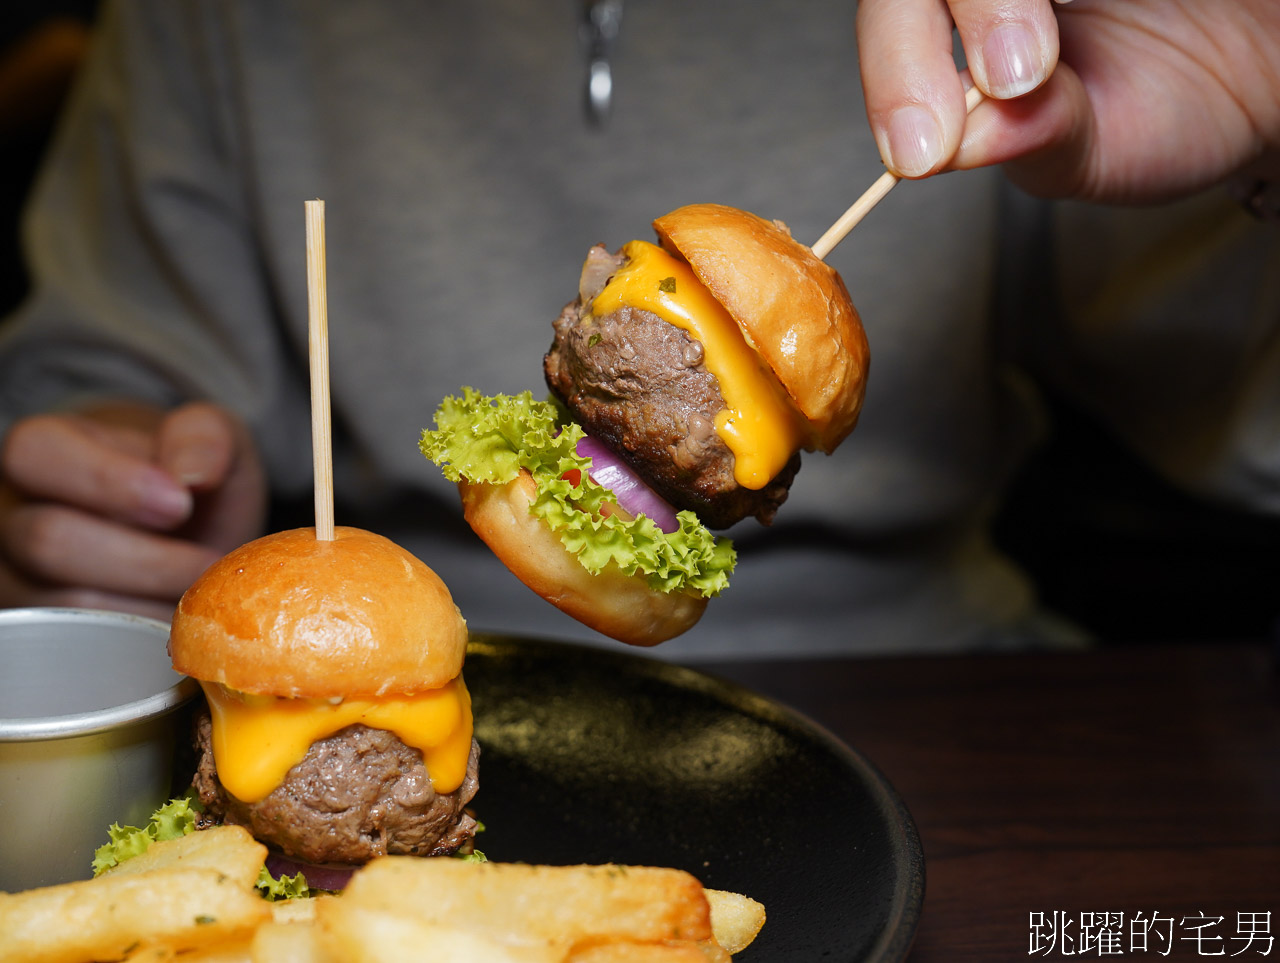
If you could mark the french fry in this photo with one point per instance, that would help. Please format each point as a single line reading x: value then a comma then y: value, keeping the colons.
x: 360, y: 934
x: 735, y: 919
x: 236, y: 951
x: 299, y: 910
x: 108, y: 917
x: 564, y: 905
x: 151, y: 954
x: 278, y: 942
x: 192, y: 900
x: 666, y: 952
x: 228, y: 849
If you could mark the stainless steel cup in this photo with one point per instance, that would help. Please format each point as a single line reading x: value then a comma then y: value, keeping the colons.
x: 86, y: 735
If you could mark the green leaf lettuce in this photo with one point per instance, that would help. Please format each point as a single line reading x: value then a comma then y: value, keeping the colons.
x: 177, y: 818
x: 282, y: 887
x: 490, y: 438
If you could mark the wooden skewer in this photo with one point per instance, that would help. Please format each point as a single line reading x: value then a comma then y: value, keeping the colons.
x: 873, y: 196
x: 318, y: 340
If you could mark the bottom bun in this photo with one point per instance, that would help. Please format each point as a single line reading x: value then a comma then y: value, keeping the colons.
x: 620, y: 606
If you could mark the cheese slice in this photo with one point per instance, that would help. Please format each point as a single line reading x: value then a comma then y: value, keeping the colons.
x: 258, y: 739
x: 759, y: 423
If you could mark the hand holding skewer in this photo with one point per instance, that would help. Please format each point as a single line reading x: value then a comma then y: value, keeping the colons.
x: 872, y: 196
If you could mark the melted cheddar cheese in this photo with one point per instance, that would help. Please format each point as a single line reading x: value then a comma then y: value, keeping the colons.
x: 258, y: 739
x: 759, y: 424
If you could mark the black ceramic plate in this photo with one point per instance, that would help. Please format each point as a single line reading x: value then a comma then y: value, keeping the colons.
x: 594, y: 756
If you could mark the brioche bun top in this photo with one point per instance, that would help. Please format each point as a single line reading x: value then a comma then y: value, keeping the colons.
x: 290, y: 615
x: 792, y: 307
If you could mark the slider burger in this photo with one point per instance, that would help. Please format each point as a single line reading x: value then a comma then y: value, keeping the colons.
x: 687, y: 376
x: 338, y: 725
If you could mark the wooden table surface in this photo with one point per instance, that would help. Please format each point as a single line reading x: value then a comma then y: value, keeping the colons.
x: 1142, y: 781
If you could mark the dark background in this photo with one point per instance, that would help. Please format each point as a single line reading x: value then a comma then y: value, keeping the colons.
x: 1117, y: 549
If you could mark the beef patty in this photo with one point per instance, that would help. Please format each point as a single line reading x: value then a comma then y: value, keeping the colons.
x: 639, y: 384
x: 357, y: 794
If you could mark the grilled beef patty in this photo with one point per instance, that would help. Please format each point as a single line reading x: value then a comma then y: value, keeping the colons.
x: 639, y: 384
x: 357, y: 794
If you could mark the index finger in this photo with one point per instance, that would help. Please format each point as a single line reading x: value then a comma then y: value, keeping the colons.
x: 53, y: 458
x: 197, y: 444
x: 1010, y: 46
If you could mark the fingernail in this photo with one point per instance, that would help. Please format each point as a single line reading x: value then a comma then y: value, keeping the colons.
x: 914, y: 140
x: 160, y: 499
x: 189, y: 462
x: 189, y: 470
x: 1014, y: 61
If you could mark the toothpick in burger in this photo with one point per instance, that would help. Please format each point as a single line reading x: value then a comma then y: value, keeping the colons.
x: 686, y: 378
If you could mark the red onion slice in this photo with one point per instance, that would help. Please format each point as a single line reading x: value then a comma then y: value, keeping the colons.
x: 632, y: 494
x: 331, y: 878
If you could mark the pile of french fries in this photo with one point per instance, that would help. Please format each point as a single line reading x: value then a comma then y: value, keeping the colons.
x: 193, y: 900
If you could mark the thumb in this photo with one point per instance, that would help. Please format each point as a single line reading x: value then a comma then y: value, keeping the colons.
x: 1045, y: 139
x: 196, y: 445
x: 208, y: 450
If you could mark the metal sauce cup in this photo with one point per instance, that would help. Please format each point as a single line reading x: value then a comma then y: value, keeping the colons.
x: 86, y: 735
